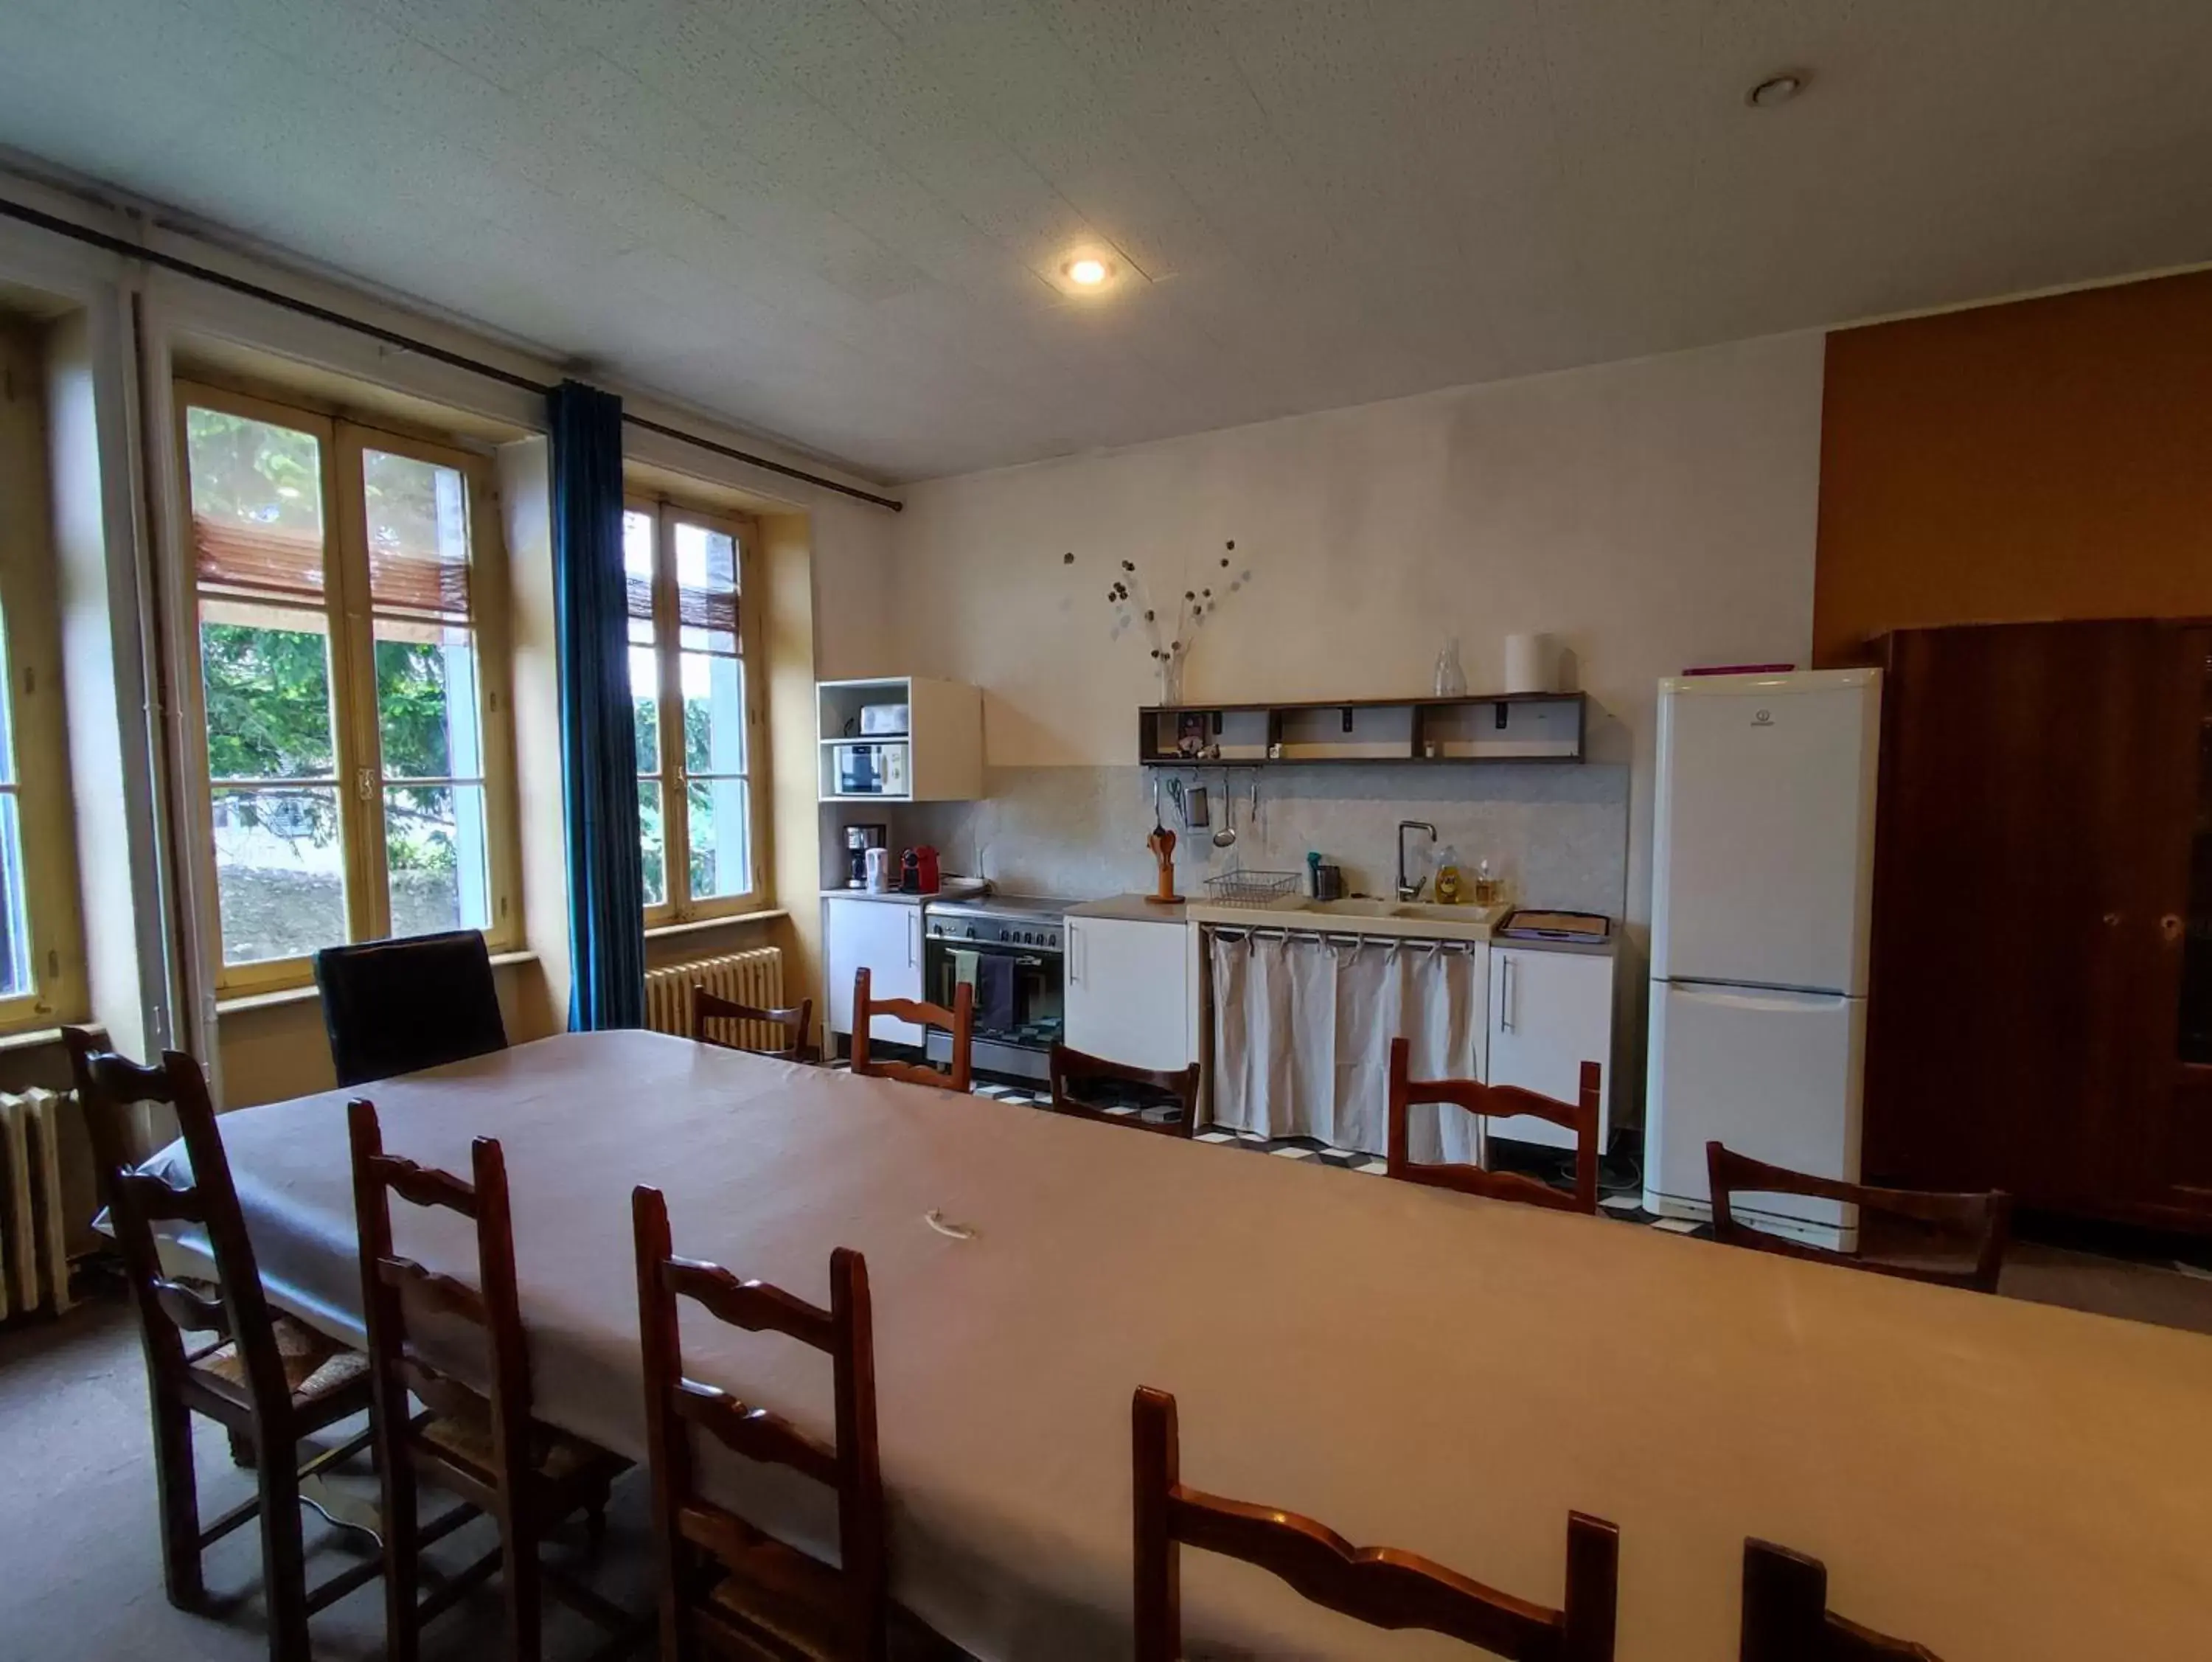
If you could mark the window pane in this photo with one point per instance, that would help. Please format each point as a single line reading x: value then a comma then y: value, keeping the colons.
x: 266, y: 673
x: 713, y: 713
x: 721, y: 853
x: 644, y: 704
x: 6, y: 714
x: 653, y: 841
x: 707, y: 587
x: 14, y: 916
x: 434, y: 850
x: 257, y: 503
x: 419, y: 536
x: 280, y: 873
x: 637, y: 565
x: 427, y: 713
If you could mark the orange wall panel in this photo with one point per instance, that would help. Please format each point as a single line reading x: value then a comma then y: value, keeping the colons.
x: 2046, y: 458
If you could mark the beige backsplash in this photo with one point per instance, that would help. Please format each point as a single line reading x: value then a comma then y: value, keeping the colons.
x: 1558, y: 834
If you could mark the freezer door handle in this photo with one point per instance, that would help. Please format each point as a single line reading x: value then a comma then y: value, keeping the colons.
x: 1756, y: 998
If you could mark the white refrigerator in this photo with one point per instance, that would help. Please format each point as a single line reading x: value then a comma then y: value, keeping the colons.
x: 1762, y: 882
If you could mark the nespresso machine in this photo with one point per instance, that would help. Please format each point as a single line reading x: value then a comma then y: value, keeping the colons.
x: 858, y: 839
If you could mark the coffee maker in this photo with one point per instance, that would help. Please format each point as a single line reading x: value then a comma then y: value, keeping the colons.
x: 858, y: 839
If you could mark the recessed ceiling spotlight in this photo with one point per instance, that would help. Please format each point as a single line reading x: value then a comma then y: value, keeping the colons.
x: 1777, y: 89
x: 1087, y: 271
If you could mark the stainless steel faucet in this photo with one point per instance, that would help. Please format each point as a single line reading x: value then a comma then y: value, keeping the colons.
x: 1410, y: 890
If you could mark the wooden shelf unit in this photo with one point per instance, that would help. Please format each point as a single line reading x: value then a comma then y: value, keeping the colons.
x: 1486, y: 727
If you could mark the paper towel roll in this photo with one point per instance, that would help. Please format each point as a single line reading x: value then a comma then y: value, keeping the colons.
x: 1532, y: 663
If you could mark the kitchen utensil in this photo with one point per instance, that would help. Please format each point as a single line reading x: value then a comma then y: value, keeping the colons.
x: 1197, y: 812
x: 1162, y: 843
x: 1329, y: 882
x: 1226, y: 837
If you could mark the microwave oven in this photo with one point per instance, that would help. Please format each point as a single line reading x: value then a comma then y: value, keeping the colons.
x: 865, y: 769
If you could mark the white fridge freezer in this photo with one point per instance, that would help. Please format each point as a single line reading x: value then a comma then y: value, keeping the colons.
x: 1771, y: 1073
x: 1762, y: 853
x: 1762, y: 891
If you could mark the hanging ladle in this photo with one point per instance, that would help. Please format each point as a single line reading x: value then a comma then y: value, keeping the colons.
x: 1226, y: 837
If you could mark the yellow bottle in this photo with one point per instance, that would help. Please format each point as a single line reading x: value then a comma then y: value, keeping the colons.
x: 1451, y: 888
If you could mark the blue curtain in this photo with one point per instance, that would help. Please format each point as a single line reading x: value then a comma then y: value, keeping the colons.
x: 599, y: 746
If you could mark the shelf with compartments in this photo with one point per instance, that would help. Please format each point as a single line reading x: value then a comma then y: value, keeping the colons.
x: 1487, y: 727
x: 912, y: 740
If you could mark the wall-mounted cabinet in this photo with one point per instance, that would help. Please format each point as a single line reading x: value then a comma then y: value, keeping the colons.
x: 1502, y: 726
x: 899, y: 738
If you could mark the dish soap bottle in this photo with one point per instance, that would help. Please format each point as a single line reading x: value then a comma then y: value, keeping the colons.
x: 1451, y: 888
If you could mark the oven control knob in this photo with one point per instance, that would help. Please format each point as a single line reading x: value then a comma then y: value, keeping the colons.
x: 971, y: 931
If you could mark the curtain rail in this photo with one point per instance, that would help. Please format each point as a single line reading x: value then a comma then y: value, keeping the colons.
x: 124, y: 248
x: 1354, y: 938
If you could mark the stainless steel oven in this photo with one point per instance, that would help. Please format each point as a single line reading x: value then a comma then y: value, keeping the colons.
x: 1010, y: 948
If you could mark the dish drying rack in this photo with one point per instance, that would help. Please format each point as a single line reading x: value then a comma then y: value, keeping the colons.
x: 1238, y: 887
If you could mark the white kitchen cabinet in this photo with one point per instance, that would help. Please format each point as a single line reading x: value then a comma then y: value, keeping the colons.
x: 883, y: 937
x: 1128, y: 991
x: 938, y: 754
x: 1550, y: 1012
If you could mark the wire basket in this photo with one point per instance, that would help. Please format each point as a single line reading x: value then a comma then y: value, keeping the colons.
x: 1239, y: 887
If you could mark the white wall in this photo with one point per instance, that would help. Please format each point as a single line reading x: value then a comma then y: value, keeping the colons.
x: 1652, y: 515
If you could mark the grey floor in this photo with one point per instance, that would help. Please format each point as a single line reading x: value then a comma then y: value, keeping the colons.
x: 81, y: 1580
x: 79, y: 1559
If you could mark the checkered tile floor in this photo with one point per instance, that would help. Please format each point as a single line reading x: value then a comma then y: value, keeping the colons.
x: 1626, y: 1204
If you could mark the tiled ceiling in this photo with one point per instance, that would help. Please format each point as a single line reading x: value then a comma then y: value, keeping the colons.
x: 843, y: 221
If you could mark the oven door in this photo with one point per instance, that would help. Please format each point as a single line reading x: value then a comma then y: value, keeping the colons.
x: 1019, y: 1014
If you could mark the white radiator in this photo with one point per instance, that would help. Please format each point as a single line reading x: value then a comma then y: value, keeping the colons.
x: 33, y: 1253
x: 754, y: 978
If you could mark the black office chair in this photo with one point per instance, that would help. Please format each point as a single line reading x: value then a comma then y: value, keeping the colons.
x: 393, y: 1007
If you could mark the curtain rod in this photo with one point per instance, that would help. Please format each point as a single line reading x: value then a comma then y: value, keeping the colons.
x: 128, y: 250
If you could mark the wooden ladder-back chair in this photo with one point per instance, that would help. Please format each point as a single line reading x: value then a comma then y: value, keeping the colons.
x: 1950, y: 1240
x: 794, y: 1023
x: 1075, y: 1075
x: 959, y: 1021
x: 759, y: 1597
x: 1496, y: 1102
x: 1786, y: 1617
x: 477, y: 1441
x: 269, y: 1380
x: 1382, y: 1587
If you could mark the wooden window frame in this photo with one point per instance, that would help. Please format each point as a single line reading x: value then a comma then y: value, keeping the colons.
x: 356, y: 742
x: 30, y: 637
x: 679, y: 907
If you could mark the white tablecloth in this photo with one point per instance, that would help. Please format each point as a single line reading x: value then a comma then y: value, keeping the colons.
x: 2000, y: 1481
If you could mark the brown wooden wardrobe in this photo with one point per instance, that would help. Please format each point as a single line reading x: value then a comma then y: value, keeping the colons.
x: 2040, y: 1002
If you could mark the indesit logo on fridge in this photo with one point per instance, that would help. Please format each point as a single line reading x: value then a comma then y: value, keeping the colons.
x: 1764, y: 718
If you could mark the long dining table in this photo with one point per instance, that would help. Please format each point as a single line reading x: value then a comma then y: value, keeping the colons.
x: 1999, y: 1481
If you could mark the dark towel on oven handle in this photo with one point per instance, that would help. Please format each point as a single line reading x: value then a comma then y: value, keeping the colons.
x: 994, y: 992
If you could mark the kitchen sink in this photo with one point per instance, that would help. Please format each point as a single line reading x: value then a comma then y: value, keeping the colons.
x: 1408, y: 920
x: 1435, y: 913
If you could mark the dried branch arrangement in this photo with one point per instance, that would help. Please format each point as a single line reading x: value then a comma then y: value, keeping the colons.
x: 1134, y: 607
